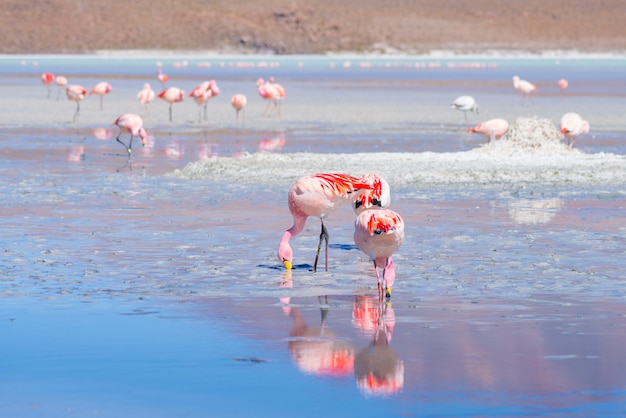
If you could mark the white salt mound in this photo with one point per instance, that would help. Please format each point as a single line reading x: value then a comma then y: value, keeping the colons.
x: 531, y: 152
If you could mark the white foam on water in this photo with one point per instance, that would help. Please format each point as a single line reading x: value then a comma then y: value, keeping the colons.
x: 531, y: 152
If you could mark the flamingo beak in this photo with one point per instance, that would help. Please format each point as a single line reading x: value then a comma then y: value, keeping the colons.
x: 287, y: 264
x: 388, y: 292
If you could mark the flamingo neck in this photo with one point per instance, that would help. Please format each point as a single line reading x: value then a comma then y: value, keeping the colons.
x: 284, y: 249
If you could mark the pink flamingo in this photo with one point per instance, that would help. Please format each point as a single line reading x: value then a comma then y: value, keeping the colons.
x: 282, y: 93
x: 316, y: 195
x: 203, y: 92
x: 47, y: 79
x: 379, y: 233
x: 270, y: 93
x: 61, y: 82
x: 239, y: 102
x: 132, y: 124
x: 145, y: 96
x: 524, y: 87
x: 101, y: 89
x: 75, y: 93
x: 376, y: 198
x: 172, y: 95
x: 379, y: 196
x: 573, y: 125
x: 163, y: 78
x: 492, y: 129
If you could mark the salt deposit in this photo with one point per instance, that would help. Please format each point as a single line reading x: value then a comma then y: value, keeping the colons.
x: 531, y: 152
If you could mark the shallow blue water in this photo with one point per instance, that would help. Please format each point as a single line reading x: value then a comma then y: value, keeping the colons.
x: 128, y: 293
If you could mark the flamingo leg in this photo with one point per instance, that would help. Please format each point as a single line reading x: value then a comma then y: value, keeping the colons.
x: 101, y: 101
x: 77, y: 111
x: 123, y: 144
x: 323, y: 236
x: 205, y: 116
x: 277, y: 106
x: 380, y: 282
x: 170, y: 112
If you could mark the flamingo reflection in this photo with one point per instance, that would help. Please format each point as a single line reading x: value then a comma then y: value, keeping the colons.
x: 272, y: 144
x: 378, y: 369
x: 534, y: 212
x: 76, y: 154
x: 316, y: 350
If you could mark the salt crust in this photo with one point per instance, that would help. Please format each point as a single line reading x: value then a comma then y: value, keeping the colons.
x: 531, y: 152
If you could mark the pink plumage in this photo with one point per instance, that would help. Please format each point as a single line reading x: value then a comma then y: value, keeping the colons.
x: 75, y: 93
x: 132, y: 124
x: 491, y: 129
x: 573, y: 125
x: 379, y: 233
x: 172, y: 95
x: 316, y: 195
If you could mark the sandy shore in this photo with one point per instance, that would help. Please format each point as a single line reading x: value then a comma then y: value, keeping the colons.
x: 299, y: 27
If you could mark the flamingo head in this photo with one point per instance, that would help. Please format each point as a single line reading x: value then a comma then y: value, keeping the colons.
x: 260, y: 82
x: 143, y: 135
x: 285, y: 253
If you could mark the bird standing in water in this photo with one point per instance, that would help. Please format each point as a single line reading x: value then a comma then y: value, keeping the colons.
x: 132, y: 124
x: 145, y: 96
x: 172, y: 95
x: 101, y: 89
x: 316, y: 195
x: 465, y: 104
x: 379, y: 233
x: 239, y: 102
x: 491, y: 129
x: 75, y: 93
x: 573, y: 125
x: 524, y: 87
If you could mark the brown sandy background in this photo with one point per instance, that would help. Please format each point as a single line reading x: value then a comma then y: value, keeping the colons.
x: 304, y: 26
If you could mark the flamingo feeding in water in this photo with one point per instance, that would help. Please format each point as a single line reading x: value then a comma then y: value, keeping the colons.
x: 573, y: 125
x: 132, y: 124
x: 491, y: 129
x: 316, y: 195
x: 145, y: 96
x: 172, y: 95
x: 379, y: 233
x: 47, y: 79
x: 379, y: 196
x: 524, y: 87
x: 75, y: 93
x: 101, y: 89
x: 465, y: 104
x: 239, y: 102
